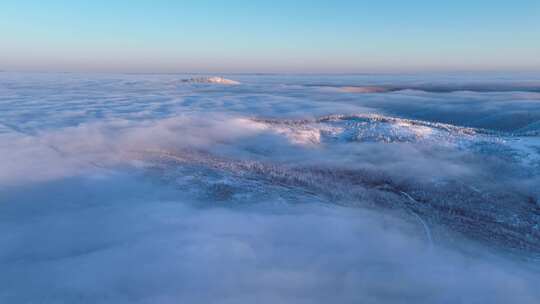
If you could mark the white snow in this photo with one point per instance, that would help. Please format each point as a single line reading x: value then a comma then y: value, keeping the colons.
x: 212, y: 80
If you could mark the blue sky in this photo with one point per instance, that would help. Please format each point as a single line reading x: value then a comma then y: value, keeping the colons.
x: 269, y: 36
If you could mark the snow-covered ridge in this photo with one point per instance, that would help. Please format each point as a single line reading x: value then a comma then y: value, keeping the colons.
x: 454, y: 199
x: 212, y: 80
x: 490, y: 215
x: 375, y: 128
x: 378, y: 128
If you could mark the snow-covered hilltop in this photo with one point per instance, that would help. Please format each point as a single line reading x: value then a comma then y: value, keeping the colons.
x: 213, y: 80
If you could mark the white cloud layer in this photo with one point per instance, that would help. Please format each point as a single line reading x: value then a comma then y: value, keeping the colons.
x: 144, y: 189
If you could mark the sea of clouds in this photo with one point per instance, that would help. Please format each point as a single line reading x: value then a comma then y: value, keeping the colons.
x: 151, y: 189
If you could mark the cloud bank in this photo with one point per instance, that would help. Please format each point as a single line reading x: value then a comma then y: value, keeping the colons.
x: 144, y: 189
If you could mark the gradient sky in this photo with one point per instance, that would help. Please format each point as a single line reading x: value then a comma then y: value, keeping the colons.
x: 269, y: 36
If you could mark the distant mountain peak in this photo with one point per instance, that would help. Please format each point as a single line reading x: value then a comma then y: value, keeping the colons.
x: 213, y: 79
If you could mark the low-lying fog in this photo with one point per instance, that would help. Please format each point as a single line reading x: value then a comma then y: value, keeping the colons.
x: 269, y: 188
